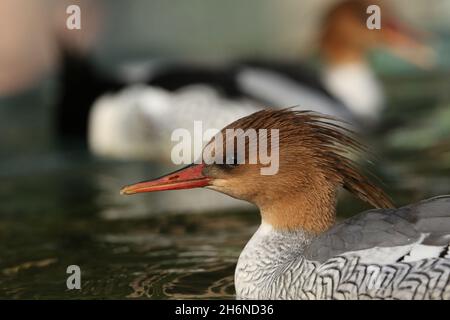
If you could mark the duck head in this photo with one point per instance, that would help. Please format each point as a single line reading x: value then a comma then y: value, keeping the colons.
x: 346, y: 37
x: 300, y: 192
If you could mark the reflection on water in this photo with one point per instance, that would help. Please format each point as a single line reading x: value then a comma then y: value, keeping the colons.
x: 64, y: 208
x: 127, y: 247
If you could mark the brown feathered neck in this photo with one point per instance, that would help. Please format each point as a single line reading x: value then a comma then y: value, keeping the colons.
x: 314, y: 162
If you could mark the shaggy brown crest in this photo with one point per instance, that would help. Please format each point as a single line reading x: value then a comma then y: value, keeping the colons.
x: 314, y: 154
x: 312, y: 160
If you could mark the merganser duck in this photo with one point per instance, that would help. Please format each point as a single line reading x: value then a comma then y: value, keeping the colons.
x: 346, y: 87
x: 299, y: 252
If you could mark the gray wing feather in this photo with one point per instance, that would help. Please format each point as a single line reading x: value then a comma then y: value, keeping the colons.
x: 428, y: 219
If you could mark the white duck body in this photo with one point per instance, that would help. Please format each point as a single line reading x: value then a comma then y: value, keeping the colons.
x: 379, y: 254
x: 356, y: 85
x: 137, y: 123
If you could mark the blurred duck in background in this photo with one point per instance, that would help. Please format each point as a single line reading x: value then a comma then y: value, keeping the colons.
x: 137, y: 122
x: 125, y: 122
x: 345, y: 46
